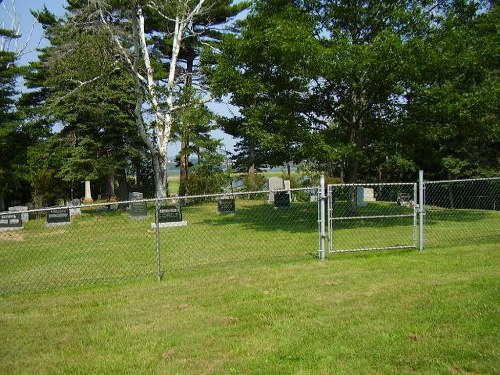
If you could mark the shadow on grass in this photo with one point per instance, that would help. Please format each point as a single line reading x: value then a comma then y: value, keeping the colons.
x: 300, y: 217
x: 434, y: 216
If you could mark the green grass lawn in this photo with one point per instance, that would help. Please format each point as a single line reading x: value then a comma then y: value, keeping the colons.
x: 380, y: 313
x: 243, y: 294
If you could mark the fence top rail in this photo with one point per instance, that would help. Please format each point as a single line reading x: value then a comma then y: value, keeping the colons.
x: 360, y: 184
x: 311, y: 189
x: 463, y: 180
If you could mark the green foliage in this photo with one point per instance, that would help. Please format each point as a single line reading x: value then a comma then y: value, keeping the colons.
x: 254, y: 181
x: 454, y: 106
x: 265, y: 71
x: 209, y: 176
x: 13, y: 138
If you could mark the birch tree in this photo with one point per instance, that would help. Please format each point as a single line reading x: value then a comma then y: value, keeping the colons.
x: 156, y: 107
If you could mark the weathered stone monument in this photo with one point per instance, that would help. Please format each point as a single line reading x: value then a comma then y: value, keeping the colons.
x: 369, y: 195
x: 74, y: 207
x: 360, y: 196
x: 23, y: 210
x: 88, y: 193
x: 279, y: 192
x: 273, y: 184
x: 138, y: 210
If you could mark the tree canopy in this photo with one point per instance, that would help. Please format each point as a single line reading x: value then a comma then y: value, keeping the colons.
x: 359, y: 89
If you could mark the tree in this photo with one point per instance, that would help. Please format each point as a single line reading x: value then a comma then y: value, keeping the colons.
x: 9, y: 137
x: 266, y: 72
x: 77, y: 85
x: 13, y: 137
x: 453, y: 104
x: 156, y: 108
x: 206, y: 31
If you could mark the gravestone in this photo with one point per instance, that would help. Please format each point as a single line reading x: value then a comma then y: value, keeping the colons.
x: 58, y: 216
x: 138, y: 210
x: 360, y: 196
x: 23, y: 210
x: 169, y: 216
x: 10, y: 221
x: 135, y: 195
x: 88, y: 193
x: 225, y: 205
x: 74, y: 207
x: 369, y: 195
x: 274, y: 183
x: 282, y: 199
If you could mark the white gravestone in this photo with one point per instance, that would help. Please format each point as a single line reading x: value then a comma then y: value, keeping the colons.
x: 369, y: 195
x: 22, y: 209
x: 88, y: 193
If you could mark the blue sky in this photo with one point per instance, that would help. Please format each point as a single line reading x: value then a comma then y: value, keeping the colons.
x: 29, y: 26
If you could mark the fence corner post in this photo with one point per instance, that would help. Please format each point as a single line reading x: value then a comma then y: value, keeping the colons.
x: 421, y: 209
x: 322, y: 211
x: 159, y: 272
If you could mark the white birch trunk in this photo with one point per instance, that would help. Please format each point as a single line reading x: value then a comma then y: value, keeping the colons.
x: 156, y: 133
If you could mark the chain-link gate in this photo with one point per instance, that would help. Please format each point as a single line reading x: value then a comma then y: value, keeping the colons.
x: 372, y: 216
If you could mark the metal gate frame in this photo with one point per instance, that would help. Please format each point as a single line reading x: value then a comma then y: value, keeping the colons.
x: 331, y: 219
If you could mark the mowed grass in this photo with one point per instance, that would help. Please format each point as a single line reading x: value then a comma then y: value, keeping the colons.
x: 223, y: 308
x: 380, y: 313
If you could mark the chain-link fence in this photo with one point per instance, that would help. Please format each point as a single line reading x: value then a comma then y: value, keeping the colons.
x: 68, y: 246
x: 372, y: 216
x: 462, y: 211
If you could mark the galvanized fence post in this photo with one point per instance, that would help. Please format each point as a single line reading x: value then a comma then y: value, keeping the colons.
x: 322, y: 212
x: 421, y: 209
x: 159, y: 272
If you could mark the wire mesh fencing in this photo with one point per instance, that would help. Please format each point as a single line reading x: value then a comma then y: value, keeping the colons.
x: 462, y: 211
x: 70, y: 246
x: 196, y: 232
x: 147, y: 238
x: 372, y: 216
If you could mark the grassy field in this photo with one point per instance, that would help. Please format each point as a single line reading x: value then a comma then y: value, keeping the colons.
x: 379, y: 313
x: 229, y: 310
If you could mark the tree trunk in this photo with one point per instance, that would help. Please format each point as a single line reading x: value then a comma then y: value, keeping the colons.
x: 184, y: 167
x: 184, y: 154
x: 109, y: 192
x: 123, y: 189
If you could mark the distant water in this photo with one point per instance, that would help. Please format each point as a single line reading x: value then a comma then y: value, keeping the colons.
x: 176, y: 171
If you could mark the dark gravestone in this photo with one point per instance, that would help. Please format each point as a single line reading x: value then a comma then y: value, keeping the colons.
x: 226, y: 205
x: 138, y: 210
x: 281, y: 199
x: 58, y: 216
x: 168, y: 214
x: 10, y: 220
